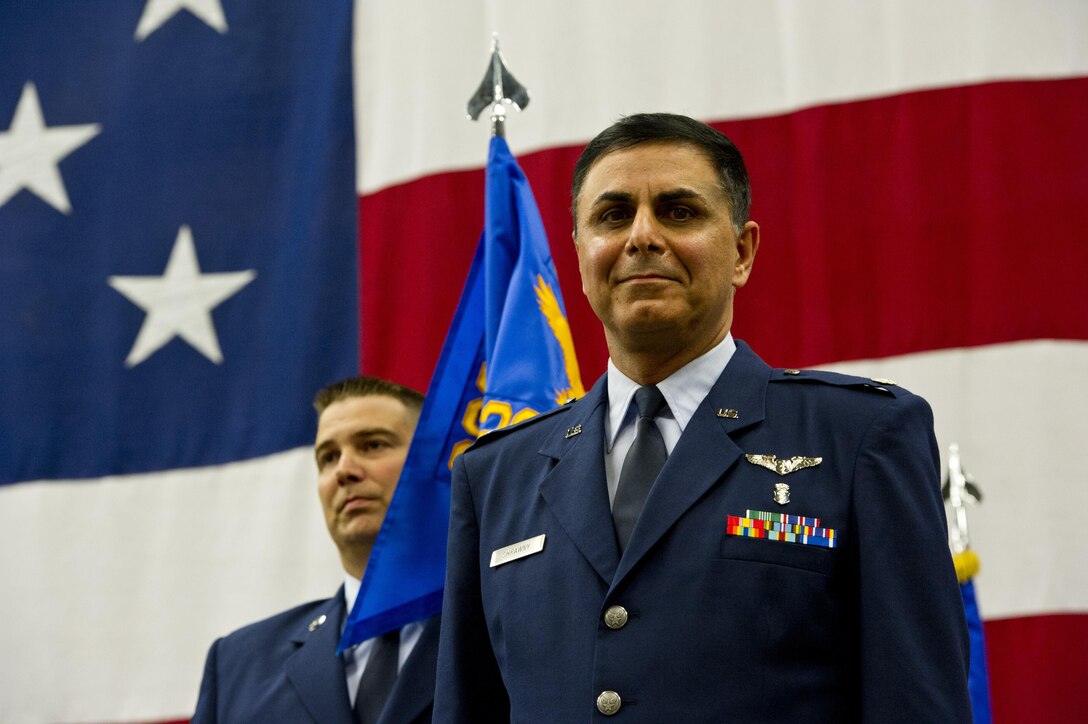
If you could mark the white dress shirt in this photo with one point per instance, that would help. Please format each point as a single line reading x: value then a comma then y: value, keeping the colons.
x: 683, y: 390
x: 356, y: 657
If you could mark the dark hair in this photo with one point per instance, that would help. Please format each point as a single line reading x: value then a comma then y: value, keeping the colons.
x: 642, y: 128
x: 363, y: 386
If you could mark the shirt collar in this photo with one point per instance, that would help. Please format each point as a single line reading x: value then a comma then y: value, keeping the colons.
x: 683, y: 390
x: 351, y: 592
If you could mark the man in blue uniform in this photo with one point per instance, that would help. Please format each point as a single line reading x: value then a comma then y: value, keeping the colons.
x: 700, y: 538
x: 285, y: 668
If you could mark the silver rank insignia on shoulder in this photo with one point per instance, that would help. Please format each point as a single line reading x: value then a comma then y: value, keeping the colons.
x: 883, y: 381
x: 783, y: 467
x: 572, y: 431
x: 781, y: 493
x: 316, y: 623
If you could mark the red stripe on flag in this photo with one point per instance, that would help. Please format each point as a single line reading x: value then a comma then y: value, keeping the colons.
x: 922, y: 221
x: 416, y: 245
x: 1036, y: 666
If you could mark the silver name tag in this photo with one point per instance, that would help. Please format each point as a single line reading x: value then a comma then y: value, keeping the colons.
x: 527, y: 547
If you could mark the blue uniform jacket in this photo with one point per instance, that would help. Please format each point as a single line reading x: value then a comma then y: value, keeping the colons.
x: 720, y: 628
x: 285, y: 669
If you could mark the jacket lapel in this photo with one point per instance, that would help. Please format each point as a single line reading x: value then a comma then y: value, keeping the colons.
x: 575, y: 488
x: 413, y: 691
x: 316, y: 672
x: 703, y: 454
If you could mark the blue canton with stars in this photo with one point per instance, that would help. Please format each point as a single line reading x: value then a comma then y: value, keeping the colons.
x: 178, y: 264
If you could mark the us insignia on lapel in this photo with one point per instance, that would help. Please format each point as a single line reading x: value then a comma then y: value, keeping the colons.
x: 783, y: 467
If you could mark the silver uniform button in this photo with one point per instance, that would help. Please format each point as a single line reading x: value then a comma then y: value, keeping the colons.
x: 609, y: 702
x: 615, y: 617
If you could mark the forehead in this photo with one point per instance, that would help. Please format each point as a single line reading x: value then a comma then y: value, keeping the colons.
x: 371, y: 412
x: 651, y: 166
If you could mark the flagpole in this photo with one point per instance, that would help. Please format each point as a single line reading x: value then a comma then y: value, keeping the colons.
x: 498, y: 89
x: 959, y: 490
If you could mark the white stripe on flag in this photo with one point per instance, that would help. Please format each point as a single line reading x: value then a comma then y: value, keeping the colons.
x: 114, y: 589
x: 587, y: 63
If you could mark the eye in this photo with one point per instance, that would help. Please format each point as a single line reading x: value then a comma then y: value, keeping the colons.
x: 680, y: 213
x: 375, y: 445
x: 327, y: 457
x: 614, y: 215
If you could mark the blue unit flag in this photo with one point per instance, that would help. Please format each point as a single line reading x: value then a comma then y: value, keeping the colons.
x: 508, y: 355
x: 978, y: 679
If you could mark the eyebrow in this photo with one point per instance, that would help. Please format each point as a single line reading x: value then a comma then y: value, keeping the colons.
x: 664, y: 196
x: 321, y: 447
x: 361, y: 432
x: 680, y: 194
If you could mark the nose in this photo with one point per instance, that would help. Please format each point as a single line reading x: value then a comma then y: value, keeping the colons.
x: 348, y: 469
x: 644, y: 233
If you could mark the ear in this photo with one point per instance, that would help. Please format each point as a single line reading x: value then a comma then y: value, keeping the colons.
x: 578, y: 253
x: 747, y: 246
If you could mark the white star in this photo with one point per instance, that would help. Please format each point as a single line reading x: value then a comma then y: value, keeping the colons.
x: 157, y: 12
x: 179, y: 303
x: 30, y: 152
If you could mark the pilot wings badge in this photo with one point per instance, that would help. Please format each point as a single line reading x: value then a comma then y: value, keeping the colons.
x: 783, y: 467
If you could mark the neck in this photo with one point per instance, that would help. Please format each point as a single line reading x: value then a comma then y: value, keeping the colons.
x: 652, y: 361
x: 354, y: 562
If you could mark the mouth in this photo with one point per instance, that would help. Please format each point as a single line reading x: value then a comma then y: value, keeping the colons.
x: 358, y: 502
x: 644, y: 279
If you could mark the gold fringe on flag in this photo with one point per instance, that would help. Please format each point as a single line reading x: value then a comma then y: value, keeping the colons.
x: 967, y: 565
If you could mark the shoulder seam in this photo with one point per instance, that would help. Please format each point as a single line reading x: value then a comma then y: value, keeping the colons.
x: 502, y: 431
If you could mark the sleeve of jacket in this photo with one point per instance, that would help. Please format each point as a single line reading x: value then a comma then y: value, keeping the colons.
x: 914, y: 646
x: 207, y: 700
x: 469, y: 686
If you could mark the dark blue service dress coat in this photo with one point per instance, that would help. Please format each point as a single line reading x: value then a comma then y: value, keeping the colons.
x: 285, y: 669
x: 693, y: 623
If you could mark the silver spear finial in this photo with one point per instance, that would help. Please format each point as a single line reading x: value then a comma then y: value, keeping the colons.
x: 959, y: 490
x: 498, y: 89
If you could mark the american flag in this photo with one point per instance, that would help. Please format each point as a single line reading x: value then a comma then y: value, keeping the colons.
x: 186, y: 187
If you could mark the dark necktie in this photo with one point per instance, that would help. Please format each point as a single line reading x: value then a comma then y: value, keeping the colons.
x: 378, y: 678
x: 642, y: 464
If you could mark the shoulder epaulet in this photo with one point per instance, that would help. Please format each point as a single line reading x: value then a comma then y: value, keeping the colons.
x: 504, y: 431
x: 876, y: 384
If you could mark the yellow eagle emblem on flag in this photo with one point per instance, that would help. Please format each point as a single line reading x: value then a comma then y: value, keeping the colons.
x: 553, y: 313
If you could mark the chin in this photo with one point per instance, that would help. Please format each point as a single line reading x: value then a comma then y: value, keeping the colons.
x: 648, y: 322
x: 358, y: 531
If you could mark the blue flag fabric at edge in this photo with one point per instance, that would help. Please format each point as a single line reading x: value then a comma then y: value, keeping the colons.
x: 978, y: 680
x: 507, y: 356
x: 159, y: 284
